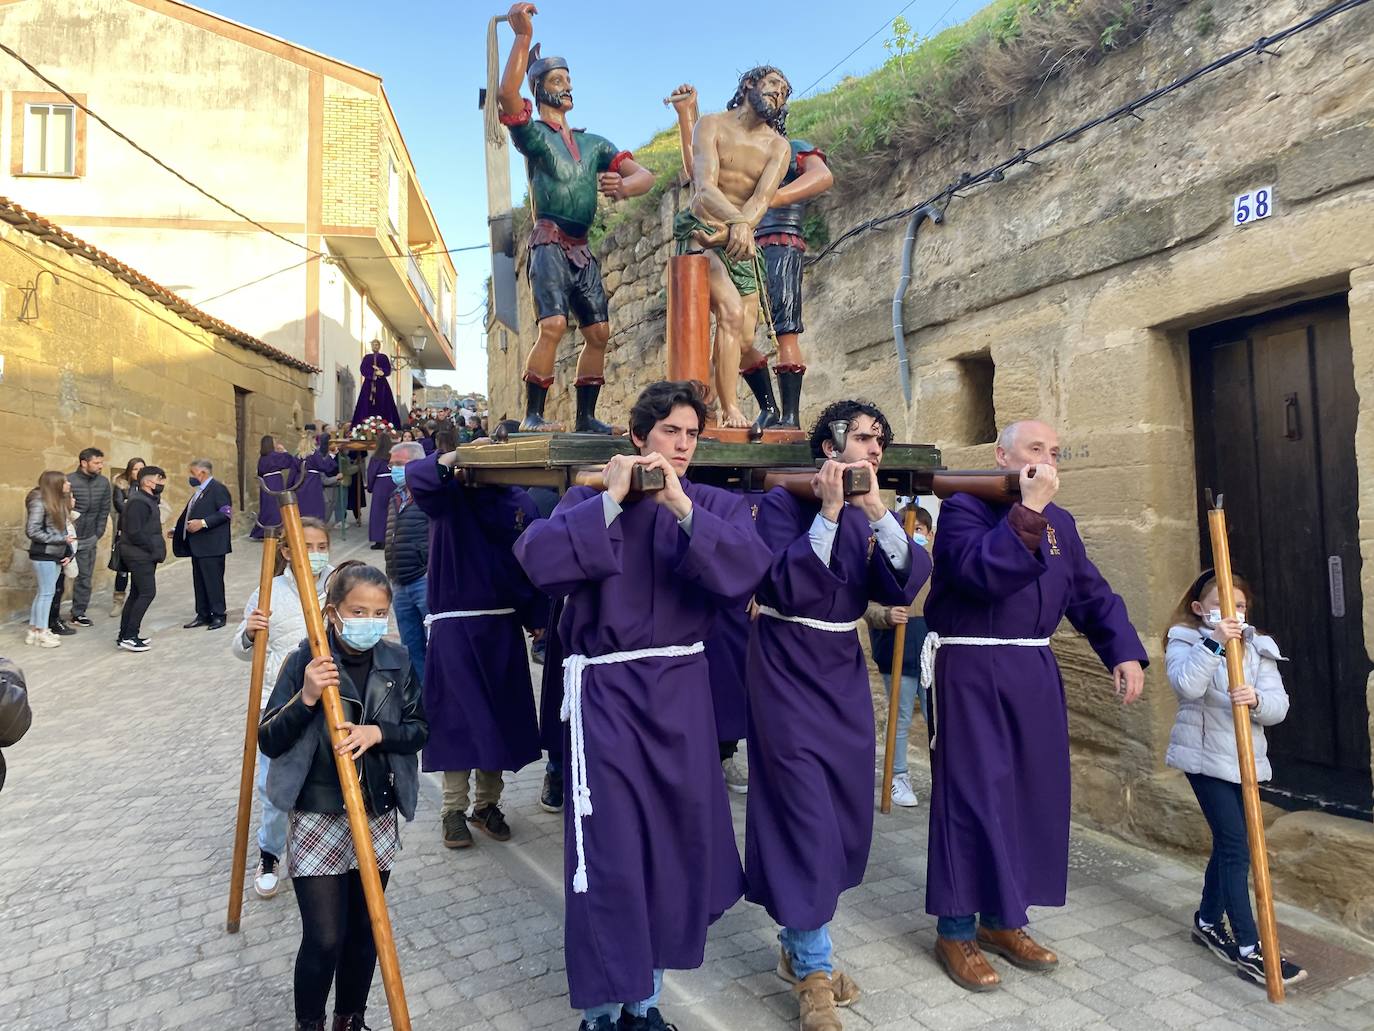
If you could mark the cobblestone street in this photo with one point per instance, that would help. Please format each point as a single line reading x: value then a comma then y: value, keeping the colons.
x: 115, y: 837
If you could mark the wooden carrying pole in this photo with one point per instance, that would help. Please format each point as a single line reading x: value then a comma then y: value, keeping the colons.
x: 250, y: 732
x: 1245, y: 754
x: 347, y: 769
x: 894, y: 688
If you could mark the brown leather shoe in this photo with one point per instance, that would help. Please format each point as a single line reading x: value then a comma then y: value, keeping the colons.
x: 966, y: 965
x: 1018, y: 948
x: 846, y: 991
x: 816, y: 996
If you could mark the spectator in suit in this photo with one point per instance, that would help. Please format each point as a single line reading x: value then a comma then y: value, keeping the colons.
x: 141, y: 548
x: 203, y: 532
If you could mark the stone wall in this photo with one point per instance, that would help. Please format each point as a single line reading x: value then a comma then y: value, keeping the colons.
x: 1067, y: 293
x: 104, y: 366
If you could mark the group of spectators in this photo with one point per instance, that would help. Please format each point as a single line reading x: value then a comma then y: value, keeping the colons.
x: 66, y: 517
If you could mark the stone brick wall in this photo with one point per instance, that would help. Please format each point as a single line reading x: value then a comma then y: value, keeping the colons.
x: 1067, y: 293
x: 352, y: 176
x: 103, y: 366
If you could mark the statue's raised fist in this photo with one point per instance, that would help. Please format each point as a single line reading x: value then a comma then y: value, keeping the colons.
x: 521, y: 18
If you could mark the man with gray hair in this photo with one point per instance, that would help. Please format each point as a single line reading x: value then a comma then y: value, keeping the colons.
x: 1005, y: 576
x: 203, y: 532
x: 407, y: 557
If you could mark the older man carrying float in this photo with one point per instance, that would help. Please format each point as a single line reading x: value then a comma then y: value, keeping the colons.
x: 1005, y: 575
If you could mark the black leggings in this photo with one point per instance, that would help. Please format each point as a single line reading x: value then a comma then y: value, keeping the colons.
x: 336, y: 944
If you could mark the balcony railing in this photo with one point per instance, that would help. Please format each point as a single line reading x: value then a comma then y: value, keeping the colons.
x: 417, y: 280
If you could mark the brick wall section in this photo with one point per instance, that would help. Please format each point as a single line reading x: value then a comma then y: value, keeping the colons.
x: 353, y: 176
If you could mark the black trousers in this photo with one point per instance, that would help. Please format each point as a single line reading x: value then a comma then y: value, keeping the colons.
x: 336, y: 944
x: 208, y: 574
x: 142, y: 591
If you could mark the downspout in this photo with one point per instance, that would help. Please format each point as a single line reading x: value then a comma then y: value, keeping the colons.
x: 913, y: 227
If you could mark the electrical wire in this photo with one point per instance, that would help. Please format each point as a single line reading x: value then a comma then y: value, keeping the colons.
x: 192, y: 183
x: 865, y: 43
x: 996, y: 173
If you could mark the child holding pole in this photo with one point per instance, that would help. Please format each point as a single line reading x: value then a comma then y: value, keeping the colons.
x: 378, y: 689
x: 1203, y: 746
x: 285, y: 627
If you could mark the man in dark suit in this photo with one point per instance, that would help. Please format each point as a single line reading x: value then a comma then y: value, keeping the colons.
x: 203, y: 533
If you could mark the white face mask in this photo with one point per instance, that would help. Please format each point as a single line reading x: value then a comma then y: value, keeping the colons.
x: 1213, y: 618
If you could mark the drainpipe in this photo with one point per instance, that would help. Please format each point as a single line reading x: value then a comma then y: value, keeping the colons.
x: 925, y: 211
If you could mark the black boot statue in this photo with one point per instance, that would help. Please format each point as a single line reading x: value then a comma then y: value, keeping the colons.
x: 536, y: 394
x: 789, y: 386
x: 762, y: 385
x: 587, y: 391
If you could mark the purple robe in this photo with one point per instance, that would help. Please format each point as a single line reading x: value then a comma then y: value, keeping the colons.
x: 727, y: 652
x: 660, y: 848
x: 374, y: 393
x: 551, y: 689
x: 811, y: 737
x: 311, y: 495
x: 477, y: 690
x: 999, y: 805
x: 281, y: 471
x: 380, y: 484
x: 426, y: 444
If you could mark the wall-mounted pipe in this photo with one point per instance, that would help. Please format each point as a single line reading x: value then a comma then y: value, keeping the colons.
x: 936, y: 215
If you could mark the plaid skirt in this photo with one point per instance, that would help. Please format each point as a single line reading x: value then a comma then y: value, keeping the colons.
x: 321, y: 845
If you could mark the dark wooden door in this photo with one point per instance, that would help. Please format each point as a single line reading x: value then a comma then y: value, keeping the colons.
x: 1275, y: 406
x: 241, y: 439
x: 344, y: 396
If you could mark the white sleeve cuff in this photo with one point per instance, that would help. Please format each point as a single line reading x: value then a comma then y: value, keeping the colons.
x: 822, y: 536
x: 609, y: 507
x: 893, y: 540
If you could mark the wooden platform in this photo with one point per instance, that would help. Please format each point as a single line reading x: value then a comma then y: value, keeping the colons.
x: 551, y: 459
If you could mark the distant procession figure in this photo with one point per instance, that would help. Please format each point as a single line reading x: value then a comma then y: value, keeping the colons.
x: 374, y: 393
x: 379, y: 485
x: 567, y: 169
x: 278, y: 468
x: 321, y: 471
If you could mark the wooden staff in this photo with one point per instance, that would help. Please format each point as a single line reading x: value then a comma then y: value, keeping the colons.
x: 344, y: 764
x: 250, y: 732
x: 893, y: 694
x: 1245, y: 754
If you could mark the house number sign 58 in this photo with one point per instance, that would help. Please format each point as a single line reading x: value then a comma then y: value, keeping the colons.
x: 1253, y: 206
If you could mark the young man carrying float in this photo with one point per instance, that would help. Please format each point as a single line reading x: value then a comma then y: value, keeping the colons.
x: 477, y: 677
x: 567, y: 169
x: 654, y: 863
x: 811, y: 733
x: 1005, y: 575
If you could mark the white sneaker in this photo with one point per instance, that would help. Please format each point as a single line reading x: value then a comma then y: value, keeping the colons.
x: 44, y: 639
x: 266, y: 881
x: 735, y: 778
x: 902, y: 794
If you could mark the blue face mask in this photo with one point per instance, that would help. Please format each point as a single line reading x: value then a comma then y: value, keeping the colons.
x: 362, y: 634
x: 319, y: 562
x: 920, y: 539
x: 398, y: 475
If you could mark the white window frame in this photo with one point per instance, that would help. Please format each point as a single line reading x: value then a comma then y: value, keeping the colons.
x: 393, y: 194
x: 39, y: 146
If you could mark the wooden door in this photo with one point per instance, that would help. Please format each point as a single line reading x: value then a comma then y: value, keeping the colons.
x: 241, y: 439
x: 1274, y: 411
x: 344, y: 396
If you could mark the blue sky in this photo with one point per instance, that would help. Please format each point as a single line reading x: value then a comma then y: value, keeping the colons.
x: 431, y: 55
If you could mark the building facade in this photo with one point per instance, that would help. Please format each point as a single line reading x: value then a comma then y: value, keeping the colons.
x: 1189, y: 297
x: 346, y: 249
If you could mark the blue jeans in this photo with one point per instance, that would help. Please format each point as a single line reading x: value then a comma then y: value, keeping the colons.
x: 963, y: 928
x: 809, y: 951
x: 272, y: 830
x: 636, y: 1009
x: 907, y: 693
x: 411, y: 607
x: 47, y: 574
x: 1226, y: 885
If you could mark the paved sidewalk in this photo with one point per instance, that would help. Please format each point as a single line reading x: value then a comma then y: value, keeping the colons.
x: 115, y: 827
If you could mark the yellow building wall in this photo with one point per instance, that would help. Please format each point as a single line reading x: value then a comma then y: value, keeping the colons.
x: 103, y: 366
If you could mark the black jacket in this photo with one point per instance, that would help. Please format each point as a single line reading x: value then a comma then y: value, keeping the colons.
x: 215, y: 505
x: 140, y: 533
x: 90, y: 497
x: 294, y: 736
x: 15, y: 714
x: 407, y: 541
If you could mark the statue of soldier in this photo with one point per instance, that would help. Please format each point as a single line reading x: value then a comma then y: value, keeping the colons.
x: 567, y: 169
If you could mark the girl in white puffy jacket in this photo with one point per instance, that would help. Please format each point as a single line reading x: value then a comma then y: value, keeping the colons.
x: 1203, y: 746
x: 285, y: 626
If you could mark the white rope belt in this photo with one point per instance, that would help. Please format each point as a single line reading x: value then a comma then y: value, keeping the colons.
x: 573, y: 667
x: 934, y: 642
x: 434, y: 617
x: 814, y: 624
